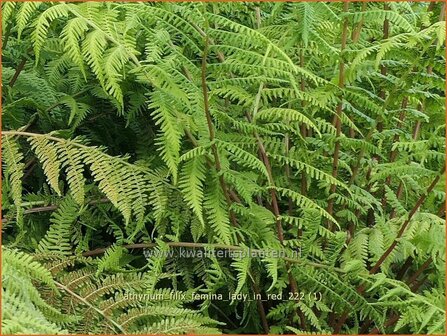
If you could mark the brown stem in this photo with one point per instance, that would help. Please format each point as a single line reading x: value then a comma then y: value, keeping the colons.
x: 339, y: 111
x: 268, y: 167
x: 392, y: 320
x: 421, y: 269
x: 294, y: 288
x: 303, y: 128
x: 211, y: 131
x: 54, y: 207
x: 357, y: 213
x: 400, y: 188
x: 431, y: 6
x: 399, y: 191
x: 17, y: 72
x: 193, y: 140
x: 265, y: 325
x: 442, y: 13
x: 356, y: 168
x: 418, y: 284
x: 356, y: 32
x: 441, y: 210
x: 273, y: 195
x: 383, y: 68
x: 275, y: 206
x: 224, y: 315
x: 404, y: 268
x: 287, y: 172
x: 386, y: 35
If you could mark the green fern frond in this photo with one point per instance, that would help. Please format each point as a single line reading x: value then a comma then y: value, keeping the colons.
x: 72, y: 160
x: 169, y: 140
x: 286, y: 114
x: 303, y: 201
x: 59, y: 235
x: 217, y: 213
x: 12, y: 158
x: 23, y: 308
x: 243, y: 157
x: 43, y: 23
x: 27, y: 9
x: 191, y: 184
x: 50, y: 162
x: 242, y: 267
x: 71, y: 35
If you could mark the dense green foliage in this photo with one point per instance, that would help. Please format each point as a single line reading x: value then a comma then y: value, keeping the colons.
x: 133, y: 130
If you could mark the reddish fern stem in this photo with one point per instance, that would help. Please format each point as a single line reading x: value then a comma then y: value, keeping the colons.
x: 421, y: 269
x: 303, y: 126
x: 339, y: 111
x: 276, y: 212
x: 19, y: 69
x: 356, y: 32
x: 211, y: 131
x: 265, y: 325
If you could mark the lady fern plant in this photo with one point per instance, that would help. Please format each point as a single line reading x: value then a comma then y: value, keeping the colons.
x: 223, y: 167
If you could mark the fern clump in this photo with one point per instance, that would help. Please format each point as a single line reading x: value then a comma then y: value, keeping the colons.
x: 252, y: 168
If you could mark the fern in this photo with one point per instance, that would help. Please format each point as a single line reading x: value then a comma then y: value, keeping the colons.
x: 148, y: 148
x: 50, y: 162
x: 24, y: 309
x: 242, y: 266
x: 169, y: 139
x: 217, y: 214
x: 58, y: 237
x: 191, y: 183
x: 12, y: 159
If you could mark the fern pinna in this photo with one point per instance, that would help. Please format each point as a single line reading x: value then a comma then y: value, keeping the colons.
x: 223, y: 167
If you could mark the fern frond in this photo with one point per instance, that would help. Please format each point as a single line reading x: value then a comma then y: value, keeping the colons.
x: 217, y: 213
x: 59, y: 235
x: 71, y: 35
x: 27, y: 9
x: 72, y: 160
x: 49, y: 159
x: 12, y: 158
x: 243, y: 157
x: 169, y: 140
x: 286, y: 114
x: 43, y: 23
x: 303, y: 201
x: 242, y: 267
x: 191, y: 184
x: 23, y: 308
